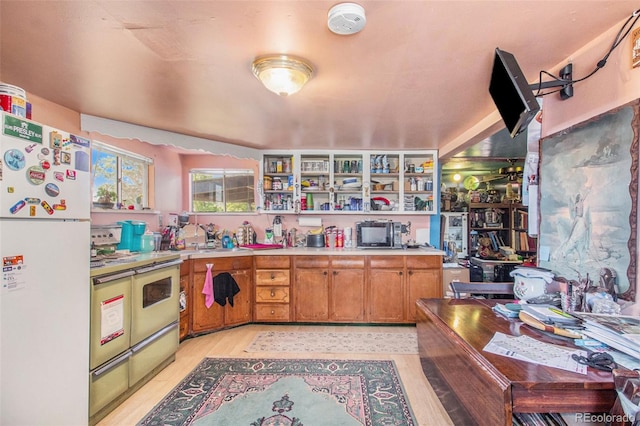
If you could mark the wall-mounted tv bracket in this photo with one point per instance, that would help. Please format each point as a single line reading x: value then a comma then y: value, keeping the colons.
x: 565, y: 82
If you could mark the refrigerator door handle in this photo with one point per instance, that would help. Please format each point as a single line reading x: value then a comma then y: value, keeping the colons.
x: 158, y: 266
x: 113, y: 277
x: 111, y: 364
x: 154, y: 337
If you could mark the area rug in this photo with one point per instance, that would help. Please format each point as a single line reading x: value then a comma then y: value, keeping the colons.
x: 335, y: 342
x: 285, y: 392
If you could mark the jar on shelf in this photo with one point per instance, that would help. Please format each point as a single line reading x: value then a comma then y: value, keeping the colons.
x: 267, y: 183
x: 277, y: 184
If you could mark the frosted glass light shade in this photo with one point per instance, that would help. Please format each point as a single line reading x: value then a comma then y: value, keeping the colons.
x: 281, y: 74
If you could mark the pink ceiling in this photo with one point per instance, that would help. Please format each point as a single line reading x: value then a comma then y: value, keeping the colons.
x: 416, y: 77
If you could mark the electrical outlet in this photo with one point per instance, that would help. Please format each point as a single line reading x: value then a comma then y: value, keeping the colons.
x: 160, y: 221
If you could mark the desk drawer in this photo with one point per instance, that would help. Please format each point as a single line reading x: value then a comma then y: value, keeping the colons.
x: 272, y: 312
x: 273, y: 294
x: 272, y: 277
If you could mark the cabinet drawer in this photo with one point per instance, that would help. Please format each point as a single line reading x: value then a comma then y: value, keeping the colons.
x: 424, y: 262
x: 272, y: 277
x: 223, y: 263
x: 272, y: 294
x: 386, y: 262
x: 312, y: 261
x: 272, y: 262
x: 272, y: 312
x: 347, y: 262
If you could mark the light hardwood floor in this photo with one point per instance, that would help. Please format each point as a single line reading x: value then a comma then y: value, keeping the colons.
x: 231, y: 343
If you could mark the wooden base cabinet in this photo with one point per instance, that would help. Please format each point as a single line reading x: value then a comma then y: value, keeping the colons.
x: 185, y: 269
x: 272, y: 291
x: 216, y: 317
x: 329, y: 288
x: 347, y: 289
x: 386, y: 289
x: 423, y: 281
x: 311, y: 288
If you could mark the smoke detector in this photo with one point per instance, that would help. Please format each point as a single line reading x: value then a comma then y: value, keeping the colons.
x: 346, y: 18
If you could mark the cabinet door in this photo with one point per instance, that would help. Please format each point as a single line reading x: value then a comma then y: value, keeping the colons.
x: 422, y: 284
x: 203, y: 318
x: 347, y: 295
x: 311, y: 293
x: 386, y: 295
x: 240, y: 312
x: 184, y: 300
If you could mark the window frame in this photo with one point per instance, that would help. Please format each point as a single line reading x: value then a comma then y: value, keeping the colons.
x: 122, y: 154
x: 225, y: 172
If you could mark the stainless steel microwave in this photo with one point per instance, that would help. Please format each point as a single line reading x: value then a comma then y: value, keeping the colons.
x: 379, y: 234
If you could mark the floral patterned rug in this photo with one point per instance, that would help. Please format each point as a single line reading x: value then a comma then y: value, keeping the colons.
x: 335, y: 342
x: 285, y: 392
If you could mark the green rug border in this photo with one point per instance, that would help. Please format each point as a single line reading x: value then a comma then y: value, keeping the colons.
x: 270, y: 365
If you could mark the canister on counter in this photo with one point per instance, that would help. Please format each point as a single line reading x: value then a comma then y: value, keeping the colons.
x: 340, y: 238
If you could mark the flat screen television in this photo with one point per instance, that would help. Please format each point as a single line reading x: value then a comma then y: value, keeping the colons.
x: 511, y: 93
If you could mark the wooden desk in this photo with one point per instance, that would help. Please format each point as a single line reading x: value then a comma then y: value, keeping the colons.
x: 477, y: 387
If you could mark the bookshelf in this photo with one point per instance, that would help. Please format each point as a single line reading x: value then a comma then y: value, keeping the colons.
x: 505, y: 224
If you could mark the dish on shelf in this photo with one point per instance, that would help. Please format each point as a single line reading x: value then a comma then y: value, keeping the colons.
x: 354, y: 185
x: 381, y: 200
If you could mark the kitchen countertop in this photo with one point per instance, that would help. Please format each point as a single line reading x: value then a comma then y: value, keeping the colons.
x: 302, y: 251
x: 135, y: 261
x: 143, y: 259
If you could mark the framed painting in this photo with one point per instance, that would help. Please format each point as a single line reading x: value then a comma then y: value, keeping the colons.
x: 589, y: 199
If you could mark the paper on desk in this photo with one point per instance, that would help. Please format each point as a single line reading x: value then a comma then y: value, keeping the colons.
x: 525, y: 348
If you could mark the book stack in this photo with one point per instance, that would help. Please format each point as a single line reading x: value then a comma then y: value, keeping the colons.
x: 552, y: 315
x: 621, y: 332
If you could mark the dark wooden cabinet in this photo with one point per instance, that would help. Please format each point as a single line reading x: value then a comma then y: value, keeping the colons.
x: 185, y: 269
x: 205, y: 319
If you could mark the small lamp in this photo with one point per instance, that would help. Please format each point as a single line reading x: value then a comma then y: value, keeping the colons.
x: 282, y: 74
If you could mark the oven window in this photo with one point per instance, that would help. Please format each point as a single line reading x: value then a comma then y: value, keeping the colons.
x: 155, y: 292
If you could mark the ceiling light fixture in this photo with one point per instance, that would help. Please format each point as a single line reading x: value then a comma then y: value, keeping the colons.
x: 282, y: 74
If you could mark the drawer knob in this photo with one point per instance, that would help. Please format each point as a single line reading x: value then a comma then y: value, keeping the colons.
x: 273, y: 277
x: 273, y: 293
x: 273, y: 312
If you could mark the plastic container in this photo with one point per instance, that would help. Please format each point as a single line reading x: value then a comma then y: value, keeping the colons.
x: 147, y: 243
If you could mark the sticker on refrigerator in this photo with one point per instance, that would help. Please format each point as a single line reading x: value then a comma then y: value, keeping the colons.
x: 13, y: 277
x: 65, y: 157
x: 55, y: 140
x: 17, y: 207
x: 36, y: 175
x: 111, y: 319
x: 15, y: 159
x: 80, y: 141
x: 22, y: 129
x: 52, y: 189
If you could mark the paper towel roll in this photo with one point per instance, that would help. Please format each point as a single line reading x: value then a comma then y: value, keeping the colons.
x: 310, y: 221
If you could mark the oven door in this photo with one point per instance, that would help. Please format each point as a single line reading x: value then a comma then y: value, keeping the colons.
x: 110, y: 317
x: 155, y: 296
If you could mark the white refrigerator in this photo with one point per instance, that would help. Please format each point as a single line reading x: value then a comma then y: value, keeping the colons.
x: 44, y: 300
x: 454, y: 234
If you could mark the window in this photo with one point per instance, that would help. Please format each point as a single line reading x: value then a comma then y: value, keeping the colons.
x: 222, y: 190
x: 120, y: 178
